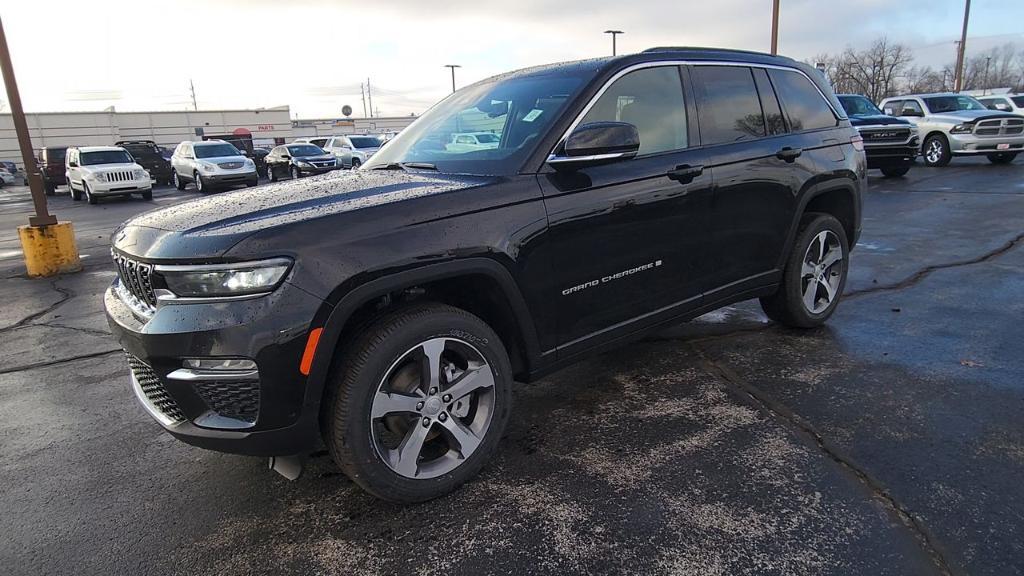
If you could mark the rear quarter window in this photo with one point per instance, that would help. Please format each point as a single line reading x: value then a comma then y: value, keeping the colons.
x: 804, y: 104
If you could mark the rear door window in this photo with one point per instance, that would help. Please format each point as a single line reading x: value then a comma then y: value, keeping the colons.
x: 892, y: 107
x: 650, y: 99
x: 804, y: 104
x: 769, y: 103
x: 730, y: 110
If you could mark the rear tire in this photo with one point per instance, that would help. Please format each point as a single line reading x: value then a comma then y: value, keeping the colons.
x: 936, y: 151
x: 815, y: 274
x: 50, y: 187
x: 147, y: 195
x: 399, y: 434
x: 1001, y: 157
x: 895, y: 170
x: 271, y: 175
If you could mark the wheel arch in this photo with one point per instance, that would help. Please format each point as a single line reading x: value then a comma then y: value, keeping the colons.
x: 839, y: 199
x: 481, y: 286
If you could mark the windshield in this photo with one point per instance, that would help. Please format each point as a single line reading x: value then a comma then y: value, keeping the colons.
x: 216, y: 151
x: 305, y: 150
x: 859, y: 106
x: 55, y: 154
x: 939, y: 104
x: 517, y: 111
x: 365, y: 141
x: 105, y: 157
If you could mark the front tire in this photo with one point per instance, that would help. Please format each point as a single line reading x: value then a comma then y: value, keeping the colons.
x: 270, y: 174
x: 1001, y: 157
x: 895, y: 170
x: 936, y: 151
x: 294, y: 172
x: 356, y: 163
x: 815, y: 274
x: 147, y: 195
x: 419, y: 402
x: 88, y: 195
x: 200, y: 185
x: 75, y: 194
x: 178, y: 183
x: 50, y: 187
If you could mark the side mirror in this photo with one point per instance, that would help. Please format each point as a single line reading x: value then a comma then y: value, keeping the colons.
x: 285, y: 157
x: 244, y: 152
x: 73, y: 164
x: 598, y: 142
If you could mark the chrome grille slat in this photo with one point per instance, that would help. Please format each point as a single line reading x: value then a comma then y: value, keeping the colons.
x: 996, y: 127
x: 137, y: 278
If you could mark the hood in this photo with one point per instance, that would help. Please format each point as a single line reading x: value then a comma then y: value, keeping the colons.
x: 970, y: 115
x: 111, y: 167
x: 219, y: 159
x: 208, y: 227
x: 315, y: 157
x: 878, y: 120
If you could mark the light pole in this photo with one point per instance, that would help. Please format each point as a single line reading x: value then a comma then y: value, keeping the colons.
x: 614, y: 33
x: 958, y: 78
x: 775, y: 27
x: 988, y: 60
x: 453, y: 67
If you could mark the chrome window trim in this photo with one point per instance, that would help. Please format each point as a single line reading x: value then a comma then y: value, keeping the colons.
x: 662, y: 63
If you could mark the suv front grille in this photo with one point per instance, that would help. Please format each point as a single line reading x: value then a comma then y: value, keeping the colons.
x: 231, y: 165
x: 238, y: 400
x: 999, y: 127
x: 119, y: 176
x: 136, y: 278
x: 154, y: 389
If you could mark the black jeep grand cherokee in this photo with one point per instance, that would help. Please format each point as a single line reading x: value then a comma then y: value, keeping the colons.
x: 388, y: 310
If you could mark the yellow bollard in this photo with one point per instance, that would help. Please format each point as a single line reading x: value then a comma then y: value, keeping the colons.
x: 49, y: 250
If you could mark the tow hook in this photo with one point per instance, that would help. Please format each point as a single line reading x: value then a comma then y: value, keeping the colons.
x: 288, y: 466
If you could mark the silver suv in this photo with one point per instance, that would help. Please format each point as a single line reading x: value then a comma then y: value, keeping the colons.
x: 958, y: 125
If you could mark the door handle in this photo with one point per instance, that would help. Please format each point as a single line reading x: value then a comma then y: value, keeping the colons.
x: 685, y: 174
x: 789, y: 154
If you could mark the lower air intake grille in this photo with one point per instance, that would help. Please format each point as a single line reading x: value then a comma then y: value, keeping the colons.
x: 154, y: 389
x: 238, y: 400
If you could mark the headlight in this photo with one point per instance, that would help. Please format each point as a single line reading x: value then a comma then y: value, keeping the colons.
x: 304, y: 163
x: 961, y: 129
x: 93, y: 176
x: 249, y: 163
x: 141, y: 174
x: 240, y: 279
x: 210, y: 167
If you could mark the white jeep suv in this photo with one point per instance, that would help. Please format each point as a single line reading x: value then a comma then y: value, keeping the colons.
x: 95, y: 171
x: 210, y: 165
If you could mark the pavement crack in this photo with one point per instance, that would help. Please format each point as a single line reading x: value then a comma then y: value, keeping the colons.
x: 926, y: 271
x: 921, y: 533
x: 55, y: 362
x: 75, y: 328
x: 66, y: 294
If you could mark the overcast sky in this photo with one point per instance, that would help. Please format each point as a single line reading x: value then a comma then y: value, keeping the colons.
x: 313, y: 54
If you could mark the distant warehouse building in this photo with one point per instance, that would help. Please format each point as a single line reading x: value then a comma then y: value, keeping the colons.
x: 336, y: 126
x: 267, y: 126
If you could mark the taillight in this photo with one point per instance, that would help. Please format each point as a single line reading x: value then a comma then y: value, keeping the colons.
x: 858, y: 143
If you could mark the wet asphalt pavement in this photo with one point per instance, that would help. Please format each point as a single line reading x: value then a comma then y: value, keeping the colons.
x: 890, y: 441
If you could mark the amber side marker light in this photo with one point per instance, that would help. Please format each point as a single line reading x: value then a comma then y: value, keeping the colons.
x: 307, y: 356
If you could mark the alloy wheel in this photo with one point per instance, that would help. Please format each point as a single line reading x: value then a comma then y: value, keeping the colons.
x: 934, y: 152
x: 199, y: 182
x: 821, y: 272
x: 295, y: 173
x: 433, y: 408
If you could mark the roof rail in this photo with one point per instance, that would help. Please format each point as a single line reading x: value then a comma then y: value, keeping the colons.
x: 701, y: 48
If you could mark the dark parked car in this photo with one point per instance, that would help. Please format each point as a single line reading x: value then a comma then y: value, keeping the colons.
x: 298, y: 160
x: 259, y: 156
x: 891, y: 143
x: 51, y: 166
x: 150, y: 156
x: 387, y: 311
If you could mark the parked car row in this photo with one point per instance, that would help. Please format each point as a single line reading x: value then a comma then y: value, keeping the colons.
x: 938, y: 127
x: 353, y: 150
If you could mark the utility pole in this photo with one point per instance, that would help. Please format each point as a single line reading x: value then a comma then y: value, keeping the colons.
x: 192, y: 87
x: 48, y: 245
x: 959, y: 74
x: 775, y: 26
x: 614, y: 33
x: 42, y: 216
x: 362, y: 92
x: 369, y: 96
x: 453, y: 67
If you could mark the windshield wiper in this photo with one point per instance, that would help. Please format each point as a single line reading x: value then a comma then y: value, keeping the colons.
x: 406, y: 166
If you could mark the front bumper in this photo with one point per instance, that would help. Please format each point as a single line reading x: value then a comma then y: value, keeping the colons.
x: 318, y: 169
x: 101, y: 188
x: 965, y: 144
x: 220, y: 414
x: 226, y: 178
x: 887, y: 155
